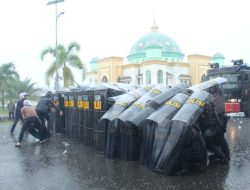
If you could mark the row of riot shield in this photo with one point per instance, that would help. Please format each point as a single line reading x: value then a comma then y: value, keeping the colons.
x: 155, y: 125
x: 83, y: 110
x: 158, y: 127
x: 126, y: 119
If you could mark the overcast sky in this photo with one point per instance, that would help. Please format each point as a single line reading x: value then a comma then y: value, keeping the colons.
x: 110, y: 28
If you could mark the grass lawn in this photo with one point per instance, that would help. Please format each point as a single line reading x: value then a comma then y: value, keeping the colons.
x: 3, y: 111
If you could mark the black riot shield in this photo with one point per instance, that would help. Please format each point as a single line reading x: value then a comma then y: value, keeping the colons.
x: 172, y: 157
x: 124, y: 101
x: 52, y: 115
x: 161, y: 98
x: 139, y: 110
x: 80, y: 121
x: 101, y: 105
x: 73, y: 114
x: 121, y: 103
x: 156, y: 97
x: 66, y: 112
x: 60, y: 113
x: 88, y: 106
x: 156, y: 129
x: 130, y: 119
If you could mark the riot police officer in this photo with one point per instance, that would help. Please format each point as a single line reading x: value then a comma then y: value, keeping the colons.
x: 214, y: 126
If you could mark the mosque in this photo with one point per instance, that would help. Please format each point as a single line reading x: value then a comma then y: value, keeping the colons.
x: 154, y: 58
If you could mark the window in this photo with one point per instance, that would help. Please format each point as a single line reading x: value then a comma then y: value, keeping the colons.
x: 104, y: 79
x: 148, y: 77
x: 160, y: 77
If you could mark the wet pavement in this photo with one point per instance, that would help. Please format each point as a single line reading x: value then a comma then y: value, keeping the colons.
x: 67, y: 164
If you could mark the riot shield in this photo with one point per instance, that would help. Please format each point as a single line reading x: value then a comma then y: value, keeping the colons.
x: 101, y: 105
x: 113, y: 128
x: 52, y: 115
x: 88, y: 107
x: 207, y: 84
x: 136, y: 113
x: 124, y: 101
x: 156, y: 129
x: 73, y: 114
x: 80, y: 107
x: 60, y: 118
x: 130, y: 119
x: 66, y: 112
x: 161, y: 98
x: 170, y: 159
x: 153, y: 103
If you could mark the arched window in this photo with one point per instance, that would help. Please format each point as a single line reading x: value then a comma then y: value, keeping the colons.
x: 160, y: 77
x: 104, y: 79
x: 148, y: 77
x: 119, y: 79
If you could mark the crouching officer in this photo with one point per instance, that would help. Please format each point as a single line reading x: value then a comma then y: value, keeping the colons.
x: 214, y: 127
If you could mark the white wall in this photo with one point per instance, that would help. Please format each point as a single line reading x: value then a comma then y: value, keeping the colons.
x: 131, y: 72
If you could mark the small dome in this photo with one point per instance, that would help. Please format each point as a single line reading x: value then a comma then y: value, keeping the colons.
x: 218, y: 58
x: 218, y: 55
x: 167, y: 47
x: 93, y: 64
x: 93, y: 60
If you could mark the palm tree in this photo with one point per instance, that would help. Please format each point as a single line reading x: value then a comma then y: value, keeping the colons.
x: 7, y: 75
x: 22, y: 86
x: 65, y: 58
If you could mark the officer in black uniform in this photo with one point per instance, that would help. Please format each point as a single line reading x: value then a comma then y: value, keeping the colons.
x: 214, y: 126
x: 43, y: 108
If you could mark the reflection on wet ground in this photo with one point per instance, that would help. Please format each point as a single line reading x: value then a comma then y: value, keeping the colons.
x: 64, y: 163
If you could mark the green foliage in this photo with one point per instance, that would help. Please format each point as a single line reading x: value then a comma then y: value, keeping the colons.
x: 7, y: 75
x: 3, y: 111
x: 11, y: 85
x: 19, y: 86
x: 66, y: 58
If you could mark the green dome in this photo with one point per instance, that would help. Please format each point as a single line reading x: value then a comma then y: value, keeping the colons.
x: 155, y: 46
x: 93, y: 60
x: 93, y: 64
x: 218, y: 55
x: 218, y: 58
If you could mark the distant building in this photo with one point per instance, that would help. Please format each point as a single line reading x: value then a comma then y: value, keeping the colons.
x: 218, y: 58
x: 155, y: 58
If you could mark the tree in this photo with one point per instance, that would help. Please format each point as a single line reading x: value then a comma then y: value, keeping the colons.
x: 7, y: 75
x: 66, y: 58
x: 19, y: 86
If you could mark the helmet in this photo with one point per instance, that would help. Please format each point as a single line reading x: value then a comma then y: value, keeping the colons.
x: 213, y: 89
x: 49, y: 94
x: 23, y: 95
x: 26, y: 103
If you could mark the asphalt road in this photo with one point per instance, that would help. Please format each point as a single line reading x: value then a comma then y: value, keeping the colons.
x: 67, y: 164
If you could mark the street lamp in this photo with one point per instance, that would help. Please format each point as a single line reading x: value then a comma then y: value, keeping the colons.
x: 57, y: 17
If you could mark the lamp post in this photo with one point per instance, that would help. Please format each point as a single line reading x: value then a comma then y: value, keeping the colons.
x: 57, y: 17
